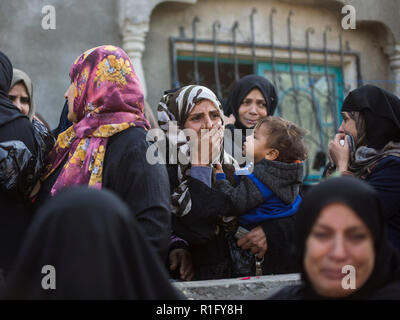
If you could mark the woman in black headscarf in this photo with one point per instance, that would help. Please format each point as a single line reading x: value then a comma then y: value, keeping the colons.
x: 368, y: 146
x: 252, y: 98
x: 96, y: 248
x: 18, y: 170
x: 341, y: 227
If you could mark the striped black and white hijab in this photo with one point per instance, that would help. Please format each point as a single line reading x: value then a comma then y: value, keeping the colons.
x: 173, y: 111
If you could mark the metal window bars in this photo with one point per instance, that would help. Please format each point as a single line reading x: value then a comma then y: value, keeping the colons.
x: 253, y: 46
x: 295, y: 91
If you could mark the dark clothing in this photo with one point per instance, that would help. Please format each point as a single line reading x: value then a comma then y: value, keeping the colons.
x: 19, y: 129
x: 21, y: 168
x: 385, y: 178
x: 96, y: 247
x: 271, y: 191
x: 14, y: 221
x: 142, y: 186
x: 300, y: 292
x: 275, y: 213
x: 64, y: 123
x: 8, y: 111
x: 378, y: 161
x: 279, y: 258
x: 364, y: 201
x: 209, y: 249
x: 15, y: 216
x: 381, y: 113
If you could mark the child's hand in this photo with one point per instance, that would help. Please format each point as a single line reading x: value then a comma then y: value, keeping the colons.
x: 218, y: 166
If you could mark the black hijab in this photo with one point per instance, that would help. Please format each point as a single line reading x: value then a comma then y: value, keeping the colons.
x: 96, y: 247
x: 242, y: 88
x: 381, y: 112
x: 64, y: 123
x: 8, y: 112
x: 364, y: 200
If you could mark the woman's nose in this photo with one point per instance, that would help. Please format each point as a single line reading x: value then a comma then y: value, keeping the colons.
x: 341, y: 128
x: 253, y: 109
x: 208, y: 123
x: 338, y: 251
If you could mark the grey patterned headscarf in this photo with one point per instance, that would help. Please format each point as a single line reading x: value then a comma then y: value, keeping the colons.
x: 173, y: 111
x: 18, y: 77
x: 364, y: 159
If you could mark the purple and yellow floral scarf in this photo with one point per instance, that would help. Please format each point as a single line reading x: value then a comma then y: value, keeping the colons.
x: 108, y: 99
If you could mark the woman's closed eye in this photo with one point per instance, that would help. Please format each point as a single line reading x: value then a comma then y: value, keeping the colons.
x: 357, y: 236
x: 196, y: 117
x: 321, y: 234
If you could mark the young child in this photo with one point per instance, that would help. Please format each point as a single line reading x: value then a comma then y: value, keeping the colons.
x: 271, y: 192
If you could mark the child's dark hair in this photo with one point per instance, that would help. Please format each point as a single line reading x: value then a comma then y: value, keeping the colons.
x: 286, y: 137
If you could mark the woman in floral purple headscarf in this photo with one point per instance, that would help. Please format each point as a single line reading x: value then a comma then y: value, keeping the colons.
x: 106, y: 146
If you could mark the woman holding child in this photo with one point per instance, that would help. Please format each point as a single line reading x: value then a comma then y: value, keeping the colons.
x: 205, y: 211
x: 266, y: 200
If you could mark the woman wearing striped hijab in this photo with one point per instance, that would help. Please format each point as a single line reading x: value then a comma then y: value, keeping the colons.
x: 184, y: 115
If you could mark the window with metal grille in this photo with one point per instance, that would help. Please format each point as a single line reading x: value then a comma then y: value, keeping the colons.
x: 310, y: 93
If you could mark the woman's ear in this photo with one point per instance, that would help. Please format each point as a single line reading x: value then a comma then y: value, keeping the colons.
x: 272, y: 154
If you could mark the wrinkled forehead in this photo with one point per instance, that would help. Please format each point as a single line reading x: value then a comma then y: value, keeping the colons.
x: 20, y: 88
x: 339, y: 214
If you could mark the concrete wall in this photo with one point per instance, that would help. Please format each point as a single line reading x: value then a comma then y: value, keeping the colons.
x: 46, y: 55
x: 254, y: 288
x: 385, y: 11
x: 368, y: 39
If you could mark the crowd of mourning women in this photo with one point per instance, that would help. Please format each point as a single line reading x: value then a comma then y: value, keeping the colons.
x: 84, y: 198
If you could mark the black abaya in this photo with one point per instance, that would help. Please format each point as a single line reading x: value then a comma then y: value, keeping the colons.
x: 96, y: 247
